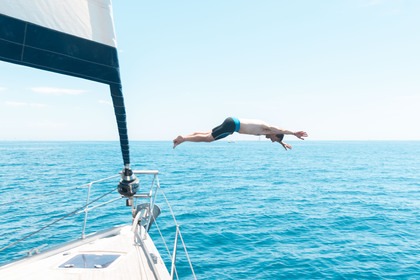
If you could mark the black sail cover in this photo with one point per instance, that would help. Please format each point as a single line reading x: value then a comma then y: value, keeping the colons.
x: 71, y: 37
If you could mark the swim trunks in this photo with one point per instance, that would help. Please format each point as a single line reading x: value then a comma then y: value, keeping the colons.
x: 280, y: 136
x: 228, y: 127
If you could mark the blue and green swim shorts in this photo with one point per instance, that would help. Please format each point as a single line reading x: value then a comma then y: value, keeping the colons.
x: 228, y: 127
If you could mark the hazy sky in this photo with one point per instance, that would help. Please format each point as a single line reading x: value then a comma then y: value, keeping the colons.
x: 341, y: 70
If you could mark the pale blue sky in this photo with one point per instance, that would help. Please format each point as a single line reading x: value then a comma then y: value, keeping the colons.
x: 341, y: 70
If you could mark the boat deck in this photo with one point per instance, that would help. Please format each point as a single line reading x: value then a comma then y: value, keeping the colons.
x: 112, y: 254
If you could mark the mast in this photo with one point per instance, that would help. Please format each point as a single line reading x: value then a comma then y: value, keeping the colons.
x: 71, y: 37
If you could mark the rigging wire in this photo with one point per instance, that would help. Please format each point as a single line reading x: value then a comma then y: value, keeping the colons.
x: 180, y: 235
x: 56, y: 221
x: 69, y: 190
x: 166, y: 246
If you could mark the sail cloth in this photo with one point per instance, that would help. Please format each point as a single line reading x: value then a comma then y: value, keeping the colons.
x: 71, y: 37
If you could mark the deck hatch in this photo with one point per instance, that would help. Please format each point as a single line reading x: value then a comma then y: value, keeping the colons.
x: 90, y: 261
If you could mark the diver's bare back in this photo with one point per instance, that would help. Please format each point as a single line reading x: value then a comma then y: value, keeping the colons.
x: 253, y: 127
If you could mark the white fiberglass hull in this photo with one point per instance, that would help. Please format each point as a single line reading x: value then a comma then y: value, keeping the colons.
x: 112, y: 254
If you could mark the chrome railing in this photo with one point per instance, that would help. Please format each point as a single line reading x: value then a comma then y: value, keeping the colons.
x: 145, y: 219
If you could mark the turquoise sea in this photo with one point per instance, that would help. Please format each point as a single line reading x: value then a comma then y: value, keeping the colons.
x: 247, y: 210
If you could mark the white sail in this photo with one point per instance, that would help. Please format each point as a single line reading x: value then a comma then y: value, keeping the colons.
x: 91, y: 20
x: 71, y: 37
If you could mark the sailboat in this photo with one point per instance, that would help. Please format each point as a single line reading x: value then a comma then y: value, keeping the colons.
x: 77, y: 38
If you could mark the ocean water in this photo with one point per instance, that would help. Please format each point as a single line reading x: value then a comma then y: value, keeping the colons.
x: 247, y: 210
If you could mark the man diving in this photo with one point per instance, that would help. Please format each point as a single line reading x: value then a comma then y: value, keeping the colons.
x: 242, y: 126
